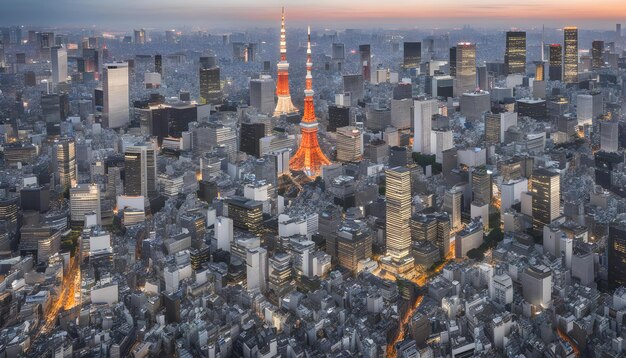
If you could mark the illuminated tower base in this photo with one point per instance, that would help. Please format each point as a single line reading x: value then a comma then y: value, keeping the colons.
x: 284, y: 106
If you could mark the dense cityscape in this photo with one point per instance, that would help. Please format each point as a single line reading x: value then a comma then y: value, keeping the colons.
x: 303, y: 192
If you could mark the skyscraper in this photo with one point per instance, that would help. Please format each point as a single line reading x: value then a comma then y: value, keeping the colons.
x: 546, y: 197
x: 284, y: 104
x: 353, y: 84
x: 597, y: 49
x: 452, y: 61
x: 515, y: 55
x: 66, y: 162
x: 465, y: 68
x: 84, y: 199
x: 54, y: 108
x: 140, y: 36
x: 210, y: 88
x: 338, y: 116
x: 570, y: 55
x: 354, y: 243
x: 366, y: 61
x: 58, y: 57
x: 158, y: 64
x: 481, y: 185
x: 309, y: 157
x: 556, y: 62
x: 422, y: 122
x: 452, y: 206
x: 115, y: 88
x: 262, y: 94
x: 412, y: 54
x: 398, y: 196
x: 616, y: 249
x: 349, y: 144
x: 141, y: 171
x: 251, y: 133
x: 540, y: 71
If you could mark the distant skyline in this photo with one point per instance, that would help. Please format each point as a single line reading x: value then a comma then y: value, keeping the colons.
x: 329, y: 13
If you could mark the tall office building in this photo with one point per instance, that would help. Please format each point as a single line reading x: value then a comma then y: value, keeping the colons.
x: 570, y: 55
x: 309, y: 157
x: 540, y: 71
x: 597, y: 51
x: 280, y: 273
x: 84, y: 199
x: 54, y: 108
x: 284, y: 104
x: 616, y: 250
x: 366, y: 61
x: 546, y: 197
x: 2, y: 56
x: 158, y: 64
x: 354, y: 243
x: 412, y: 54
x: 515, y: 55
x: 398, y: 196
x: 465, y: 68
x: 210, y: 87
x: 338, y: 51
x: 483, y: 78
x: 115, y: 111
x: 140, y: 171
x: 481, y: 185
x: 423, y: 113
x: 140, y: 36
x: 556, y: 62
x: 262, y: 94
x: 58, y: 56
x: 338, y: 116
x: 496, y: 125
x: 452, y: 205
x: 537, y: 285
x: 66, y: 162
x: 349, y: 144
x: 246, y: 214
x: 251, y: 133
x: 452, y: 61
x: 609, y: 136
x: 354, y: 84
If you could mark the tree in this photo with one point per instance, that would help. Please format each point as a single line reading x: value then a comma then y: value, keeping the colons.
x: 475, y: 254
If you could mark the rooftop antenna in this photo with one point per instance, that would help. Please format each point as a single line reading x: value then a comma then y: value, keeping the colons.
x: 543, y: 45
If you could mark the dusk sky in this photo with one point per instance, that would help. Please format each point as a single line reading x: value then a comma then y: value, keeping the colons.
x: 338, y: 14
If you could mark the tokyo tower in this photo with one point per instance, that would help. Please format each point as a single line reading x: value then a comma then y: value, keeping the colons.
x: 284, y: 104
x: 309, y: 157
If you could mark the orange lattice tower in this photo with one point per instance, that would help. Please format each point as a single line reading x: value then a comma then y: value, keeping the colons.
x: 284, y: 104
x: 309, y: 158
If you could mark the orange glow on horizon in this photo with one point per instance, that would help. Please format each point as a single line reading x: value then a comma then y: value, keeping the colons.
x: 446, y: 9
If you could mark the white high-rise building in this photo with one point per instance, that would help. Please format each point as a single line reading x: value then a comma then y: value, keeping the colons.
x: 256, y: 269
x: 262, y: 94
x: 223, y: 233
x: 440, y: 140
x: 84, y: 199
x: 423, y: 113
x: 537, y: 285
x: 609, y: 136
x: 115, y: 88
x: 58, y: 55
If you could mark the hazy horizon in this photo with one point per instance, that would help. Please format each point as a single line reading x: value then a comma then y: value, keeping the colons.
x: 403, y: 14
